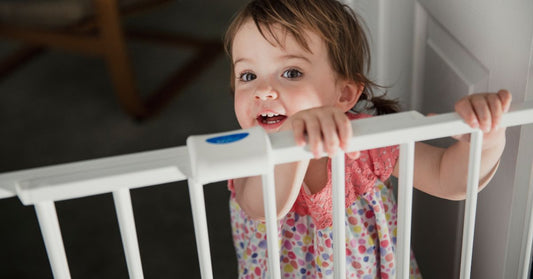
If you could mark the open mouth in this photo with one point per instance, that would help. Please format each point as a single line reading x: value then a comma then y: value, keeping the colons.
x: 270, y: 119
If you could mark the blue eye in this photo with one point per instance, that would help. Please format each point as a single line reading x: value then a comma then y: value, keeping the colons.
x: 247, y: 76
x: 292, y: 74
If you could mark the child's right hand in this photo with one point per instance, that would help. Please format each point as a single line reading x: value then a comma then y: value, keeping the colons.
x: 327, y: 129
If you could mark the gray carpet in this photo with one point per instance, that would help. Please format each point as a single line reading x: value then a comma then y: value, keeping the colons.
x: 60, y: 108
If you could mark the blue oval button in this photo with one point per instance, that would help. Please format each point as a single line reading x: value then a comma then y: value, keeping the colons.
x: 227, y: 138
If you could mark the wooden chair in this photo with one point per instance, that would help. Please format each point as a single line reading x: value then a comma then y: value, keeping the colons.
x: 93, y: 27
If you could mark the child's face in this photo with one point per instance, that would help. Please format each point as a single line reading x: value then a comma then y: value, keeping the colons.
x: 274, y: 82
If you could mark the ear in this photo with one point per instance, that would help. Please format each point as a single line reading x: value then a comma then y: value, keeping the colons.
x: 350, y: 92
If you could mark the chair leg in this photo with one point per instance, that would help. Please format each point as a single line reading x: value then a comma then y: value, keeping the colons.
x: 18, y: 58
x: 206, y: 53
x: 120, y: 67
x: 184, y: 75
x: 116, y: 56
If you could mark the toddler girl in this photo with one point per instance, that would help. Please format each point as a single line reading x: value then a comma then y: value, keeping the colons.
x: 301, y: 65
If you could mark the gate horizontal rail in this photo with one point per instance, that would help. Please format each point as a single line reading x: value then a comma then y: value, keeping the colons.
x: 105, y: 175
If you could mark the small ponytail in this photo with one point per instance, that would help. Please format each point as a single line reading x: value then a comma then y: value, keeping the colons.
x: 384, y: 106
x: 376, y: 105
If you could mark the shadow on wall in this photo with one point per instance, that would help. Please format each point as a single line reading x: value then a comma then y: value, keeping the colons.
x: 60, y: 107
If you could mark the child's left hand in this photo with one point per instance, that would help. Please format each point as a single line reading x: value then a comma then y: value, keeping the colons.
x: 484, y: 111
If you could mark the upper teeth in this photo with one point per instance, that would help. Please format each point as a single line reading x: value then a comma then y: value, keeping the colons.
x: 269, y: 114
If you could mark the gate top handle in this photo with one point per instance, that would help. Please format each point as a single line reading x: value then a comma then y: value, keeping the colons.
x: 234, y: 154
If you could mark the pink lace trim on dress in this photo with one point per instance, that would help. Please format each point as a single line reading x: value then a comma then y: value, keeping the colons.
x: 361, y: 175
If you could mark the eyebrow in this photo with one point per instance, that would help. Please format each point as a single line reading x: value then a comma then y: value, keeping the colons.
x: 293, y: 56
x: 240, y: 60
x: 288, y: 56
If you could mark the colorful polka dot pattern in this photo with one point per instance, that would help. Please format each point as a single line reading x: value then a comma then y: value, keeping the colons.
x: 307, y: 252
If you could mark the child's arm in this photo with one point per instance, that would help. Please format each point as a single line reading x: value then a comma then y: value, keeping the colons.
x: 326, y: 128
x: 443, y: 172
x: 288, y: 178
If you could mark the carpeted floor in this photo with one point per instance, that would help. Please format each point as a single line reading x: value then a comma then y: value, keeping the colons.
x: 60, y: 108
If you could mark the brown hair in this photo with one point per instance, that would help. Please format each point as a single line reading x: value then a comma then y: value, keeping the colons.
x: 334, y: 22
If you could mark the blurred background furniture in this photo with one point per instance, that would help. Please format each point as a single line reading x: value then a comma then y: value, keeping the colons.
x: 93, y: 27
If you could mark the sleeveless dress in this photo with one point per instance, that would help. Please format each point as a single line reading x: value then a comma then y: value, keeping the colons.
x: 306, y: 233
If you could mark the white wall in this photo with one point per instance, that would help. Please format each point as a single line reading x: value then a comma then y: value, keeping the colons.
x: 390, y: 31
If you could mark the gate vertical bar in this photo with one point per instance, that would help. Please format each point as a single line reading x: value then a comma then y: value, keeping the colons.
x: 47, y: 216
x: 339, y: 212
x: 476, y: 140
x: 405, y: 199
x: 128, y: 232
x: 196, y: 192
x: 269, y: 199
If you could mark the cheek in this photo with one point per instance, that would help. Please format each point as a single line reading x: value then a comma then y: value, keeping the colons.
x: 307, y: 97
x: 241, y: 108
x: 328, y: 95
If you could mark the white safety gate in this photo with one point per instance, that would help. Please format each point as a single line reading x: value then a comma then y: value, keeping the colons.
x: 218, y: 157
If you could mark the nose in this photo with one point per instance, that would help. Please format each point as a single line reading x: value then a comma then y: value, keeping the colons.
x: 266, y: 94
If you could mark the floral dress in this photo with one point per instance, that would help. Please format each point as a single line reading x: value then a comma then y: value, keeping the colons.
x: 306, y: 232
